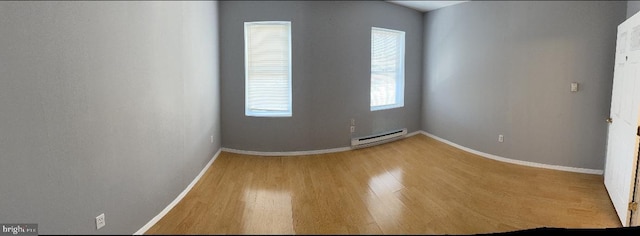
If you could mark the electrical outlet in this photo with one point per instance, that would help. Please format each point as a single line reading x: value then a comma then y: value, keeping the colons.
x: 574, y: 87
x: 353, y: 121
x: 500, y: 138
x: 353, y: 129
x: 100, y: 221
x: 211, y: 138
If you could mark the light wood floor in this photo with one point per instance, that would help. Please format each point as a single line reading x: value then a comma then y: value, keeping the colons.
x: 413, y: 186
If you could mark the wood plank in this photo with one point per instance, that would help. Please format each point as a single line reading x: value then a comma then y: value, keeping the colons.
x: 416, y: 185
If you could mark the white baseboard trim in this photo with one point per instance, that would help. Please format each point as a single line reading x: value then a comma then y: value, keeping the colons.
x: 298, y: 153
x: 414, y: 133
x: 292, y: 153
x: 517, y: 162
x: 179, y: 198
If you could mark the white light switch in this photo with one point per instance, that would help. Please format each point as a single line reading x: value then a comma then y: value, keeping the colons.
x: 574, y: 87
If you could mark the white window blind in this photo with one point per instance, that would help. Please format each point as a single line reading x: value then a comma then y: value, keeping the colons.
x: 387, y: 68
x: 267, y: 68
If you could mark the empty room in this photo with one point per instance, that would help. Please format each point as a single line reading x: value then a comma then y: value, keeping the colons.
x: 319, y: 117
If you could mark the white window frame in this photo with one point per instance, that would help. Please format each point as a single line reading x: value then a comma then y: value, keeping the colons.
x: 399, y: 75
x: 266, y: 113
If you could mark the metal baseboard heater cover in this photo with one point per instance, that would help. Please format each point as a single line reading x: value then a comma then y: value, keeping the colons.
x: 376, y: 139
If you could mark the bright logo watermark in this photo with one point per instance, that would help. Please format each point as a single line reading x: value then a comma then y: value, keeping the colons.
x: 18, y: 229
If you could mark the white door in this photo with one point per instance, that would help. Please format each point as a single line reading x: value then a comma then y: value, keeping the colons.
x: 622, y: 141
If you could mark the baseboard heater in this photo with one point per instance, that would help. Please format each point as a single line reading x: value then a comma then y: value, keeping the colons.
x: 376, y: 139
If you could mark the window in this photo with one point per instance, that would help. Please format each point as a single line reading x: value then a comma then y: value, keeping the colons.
x: 387, y: 68
x: 267, y: 68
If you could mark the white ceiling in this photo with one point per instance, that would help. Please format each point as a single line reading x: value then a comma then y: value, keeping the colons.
x: 425, y: 6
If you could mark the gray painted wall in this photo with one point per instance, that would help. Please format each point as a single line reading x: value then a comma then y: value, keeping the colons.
x: 632, y: 8
x: 331, y: 72
x: 105, y: 107
x: 505, y: 67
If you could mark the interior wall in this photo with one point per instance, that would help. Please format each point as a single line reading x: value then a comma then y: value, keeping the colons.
x: 331, y: 50
x: 632, y: 8
x: 105, y: 107
x: 505, y: 67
